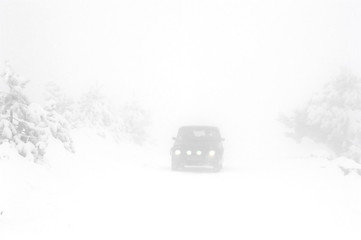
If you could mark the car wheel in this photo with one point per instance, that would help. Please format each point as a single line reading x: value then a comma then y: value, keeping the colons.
x: 217, y: 167
x: 175, y: 166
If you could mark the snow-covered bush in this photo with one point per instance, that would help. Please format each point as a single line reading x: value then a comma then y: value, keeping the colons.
x: 332, y: 116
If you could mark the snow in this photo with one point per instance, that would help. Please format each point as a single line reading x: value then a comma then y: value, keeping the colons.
x: 347, y: 163
x: 124, y: 191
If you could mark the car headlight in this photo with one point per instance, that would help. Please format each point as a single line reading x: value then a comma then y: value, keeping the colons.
x: 177, y: 152
x: 212, y: 153
x: 189, y: 152
x: 199, y: 152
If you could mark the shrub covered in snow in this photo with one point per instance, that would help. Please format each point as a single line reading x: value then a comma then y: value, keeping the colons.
x: 332, y: 116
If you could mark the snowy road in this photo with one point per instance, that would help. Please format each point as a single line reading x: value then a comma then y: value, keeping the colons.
x: 92, y: 196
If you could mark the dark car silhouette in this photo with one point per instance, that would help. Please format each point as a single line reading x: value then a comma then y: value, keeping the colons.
x: 197, y: 146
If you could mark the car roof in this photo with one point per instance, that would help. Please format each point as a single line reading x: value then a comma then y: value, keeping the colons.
x: 198, y: 127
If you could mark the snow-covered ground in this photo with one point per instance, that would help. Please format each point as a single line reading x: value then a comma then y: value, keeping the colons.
x: 122, y: 191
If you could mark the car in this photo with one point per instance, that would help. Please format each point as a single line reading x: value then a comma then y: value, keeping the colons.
x: 197, y: 146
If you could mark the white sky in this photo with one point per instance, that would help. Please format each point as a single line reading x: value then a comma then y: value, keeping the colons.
x: 187, y: 60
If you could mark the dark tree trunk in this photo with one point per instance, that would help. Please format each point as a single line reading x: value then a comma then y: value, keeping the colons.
x: 11, y: 116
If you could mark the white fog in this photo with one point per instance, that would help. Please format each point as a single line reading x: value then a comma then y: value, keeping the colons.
x: 235, y: 64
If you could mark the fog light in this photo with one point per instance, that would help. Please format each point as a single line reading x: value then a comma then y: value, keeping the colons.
x: 189, y: 152
x: 177, y: 152
x: 199, y: 153
x: 212, y: 153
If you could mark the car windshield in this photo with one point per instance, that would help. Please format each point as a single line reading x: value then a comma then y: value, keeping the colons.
x: 198, y: 134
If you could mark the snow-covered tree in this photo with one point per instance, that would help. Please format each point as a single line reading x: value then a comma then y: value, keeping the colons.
x: 14, y: 101
x: 26, y: 125
x: 134, y: 122
x: 59, y: 126
x: 61, y: 103
x: 332, y: 116
x: 122, y: 121
x: 93, y: 108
